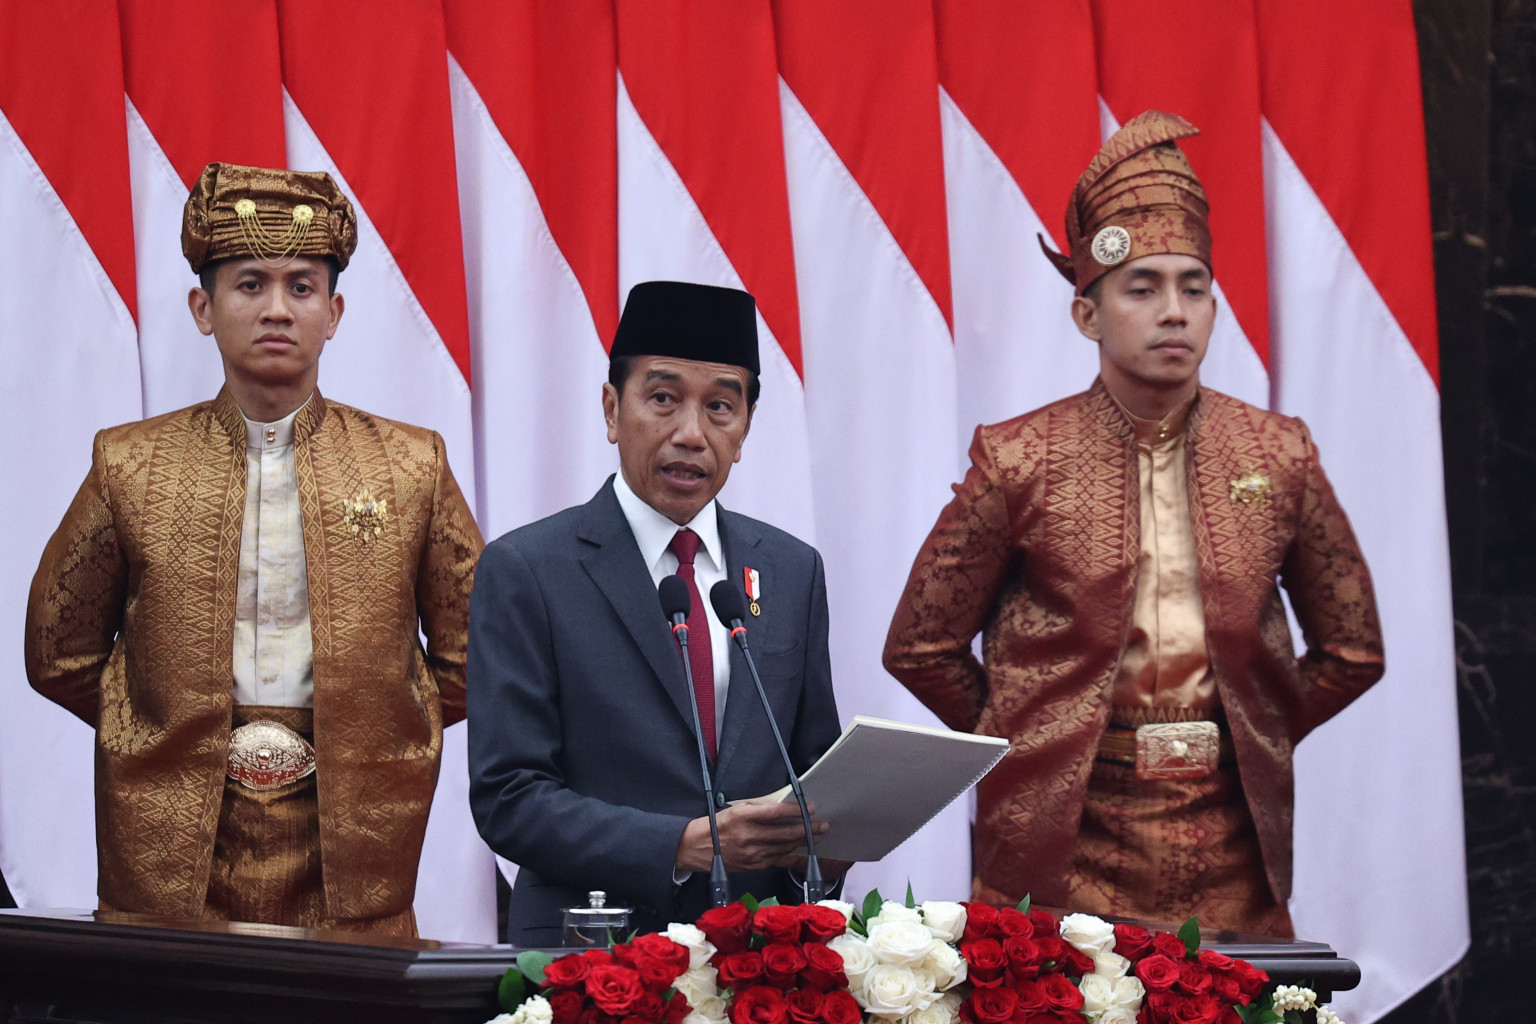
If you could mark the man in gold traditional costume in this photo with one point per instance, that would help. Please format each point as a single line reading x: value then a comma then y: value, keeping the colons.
x: 1118, y: 551
x: 233, y: 602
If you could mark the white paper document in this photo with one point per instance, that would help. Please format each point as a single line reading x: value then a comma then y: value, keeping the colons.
x: 882, y: 781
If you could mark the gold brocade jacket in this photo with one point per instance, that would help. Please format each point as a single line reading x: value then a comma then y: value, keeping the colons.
x: 130, y: 626
x: 1038, y: 551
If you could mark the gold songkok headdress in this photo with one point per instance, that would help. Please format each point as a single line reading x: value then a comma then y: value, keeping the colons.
x: 1139, y: 197
x: 271, y: 214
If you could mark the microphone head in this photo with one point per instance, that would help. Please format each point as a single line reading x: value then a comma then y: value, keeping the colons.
x: 729, y: 604
x: 673, y: 594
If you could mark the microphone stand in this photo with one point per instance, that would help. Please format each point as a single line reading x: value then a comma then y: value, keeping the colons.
x: 719, y: 885
x: 727, y: 604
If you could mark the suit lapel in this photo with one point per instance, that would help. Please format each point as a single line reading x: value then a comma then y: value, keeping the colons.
x: 742, y: 708
x: 615, y: 566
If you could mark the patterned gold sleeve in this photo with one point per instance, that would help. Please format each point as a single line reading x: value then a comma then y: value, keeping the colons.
x: 1330, y: 589
x: 956, y: 578
x: 75, y: 608
x: 443, y: 584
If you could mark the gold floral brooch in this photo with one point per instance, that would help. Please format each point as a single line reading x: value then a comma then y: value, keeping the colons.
x: 1251, y: 487
x: 366, y: 515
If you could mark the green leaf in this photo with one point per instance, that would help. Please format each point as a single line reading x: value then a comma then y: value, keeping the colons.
x: 1189, y: 932
x: 750, y: 902
x: 1024, y: 904
x: 910, y: 901
x: 872, y: 904
x: 532, y: 963
x: 771, y: 901
x: 511, y: 990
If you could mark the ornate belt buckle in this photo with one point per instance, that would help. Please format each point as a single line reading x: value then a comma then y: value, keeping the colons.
x: 268, y: 755
x: 1177, y: 750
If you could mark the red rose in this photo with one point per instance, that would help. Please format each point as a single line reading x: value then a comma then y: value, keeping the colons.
x: 598, y: 958
x: 739, y: 970
x: 804, y: 1005
x: 823, y: 967
x: 1161, y: 1004
x: 989, y: 1006
x: 662, y: 948
x: 1216, y: 963
x: 986, y: 960
x: 980, y: 922
x: 1077, y: 963
x: 647, y: 1007
x: 1249, y: 978
x: 614, y: 989
x: 1170, y: 946
x: 676, y: 1009
x: 655, y: 973
x: 1226, y: 988
x: 1023, y: 955
x: 1045, y: 924
x: 592, y: 1015
x: 779, y: 923
x: 1031, y: 997
x: 782, y: 961
x: 839, y: 1007
x: 1059, y: 993
x: 1011, y: 922
x: 759, y: 1005
x: 565, y: 1005
x: 1132, y: 941
x: 1205, y: 1009
x: 566, y: 972
x: 1193, y: 979
x: 1157, y: 973
x: 823, y: 924
x: 728, y: 927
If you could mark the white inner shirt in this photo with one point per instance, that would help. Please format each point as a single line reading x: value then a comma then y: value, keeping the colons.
x: 273, y: 653
x: 653, y: 533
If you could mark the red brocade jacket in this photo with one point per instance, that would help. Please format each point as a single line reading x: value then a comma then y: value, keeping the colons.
x: 1038, y: 551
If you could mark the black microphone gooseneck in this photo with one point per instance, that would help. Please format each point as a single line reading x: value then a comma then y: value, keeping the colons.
x: 731, y: 609
x: 675, y: 601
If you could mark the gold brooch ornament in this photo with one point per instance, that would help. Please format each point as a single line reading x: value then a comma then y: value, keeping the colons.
x: 1111, y: 245
x: 276, y: 250
x: 366, y: 515
x: 1251, y: 487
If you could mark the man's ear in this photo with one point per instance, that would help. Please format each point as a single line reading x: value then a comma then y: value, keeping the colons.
x: 201, y: 305
x: 338, y: 307
x: 611, y: 411
x: 1085, y: 314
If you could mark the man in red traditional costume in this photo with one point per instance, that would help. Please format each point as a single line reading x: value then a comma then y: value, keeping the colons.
x: 235, y: 599
x: 1118, y: 551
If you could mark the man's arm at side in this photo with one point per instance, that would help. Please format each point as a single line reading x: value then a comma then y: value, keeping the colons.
x: 444, y: 579
x: 1331, y: 593
x: 953, y: 584
x: 518, y: 792
x: 75, y: 607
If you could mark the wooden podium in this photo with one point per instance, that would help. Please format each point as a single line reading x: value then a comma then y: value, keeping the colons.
x: 106, y: 968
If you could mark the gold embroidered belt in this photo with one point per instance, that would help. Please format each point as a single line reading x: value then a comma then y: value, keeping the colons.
x: 1168, y: 750
x: 268, y: 755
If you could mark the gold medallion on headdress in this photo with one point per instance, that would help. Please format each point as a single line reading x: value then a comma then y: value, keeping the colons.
x: 267, y: 213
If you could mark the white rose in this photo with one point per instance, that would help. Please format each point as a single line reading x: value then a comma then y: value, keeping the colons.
x: 947, y: 966
x: 846, y: 909
x: 892, y: 991
x: 938, y: 1013
x: 946, y: 920
x: 1098, y: 994
x: 697, y: 984
x: 692, y: 939
x: 1090, y: 935
x: 708, y: 1010
x: 901, y: 942
x: 892, y: 912
x: 1111, y: 965
x: 535, y: 1010
x: 1129, y: 992
x: 858, y: 958
x: 1118, y: 1015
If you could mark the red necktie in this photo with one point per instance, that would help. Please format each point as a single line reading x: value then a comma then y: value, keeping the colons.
x: 685, y: 544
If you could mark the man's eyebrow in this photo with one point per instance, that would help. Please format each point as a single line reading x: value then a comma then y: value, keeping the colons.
x: 652, y: 376
x: 729, y: 383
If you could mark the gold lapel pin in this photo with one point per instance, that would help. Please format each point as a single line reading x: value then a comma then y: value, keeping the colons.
x: 366, y: 515
x: 1249, y: 488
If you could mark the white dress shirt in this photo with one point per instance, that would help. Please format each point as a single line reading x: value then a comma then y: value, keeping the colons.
x: 273, y: 654
x: 653, y: 533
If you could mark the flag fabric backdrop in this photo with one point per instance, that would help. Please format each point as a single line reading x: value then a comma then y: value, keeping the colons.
x: 876, y: 173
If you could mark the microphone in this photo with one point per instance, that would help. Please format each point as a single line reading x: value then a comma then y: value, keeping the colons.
x: 731, y: 609
x: 675, y: 602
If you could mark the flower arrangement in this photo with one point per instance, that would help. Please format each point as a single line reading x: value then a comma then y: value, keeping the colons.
x: 888, y: 962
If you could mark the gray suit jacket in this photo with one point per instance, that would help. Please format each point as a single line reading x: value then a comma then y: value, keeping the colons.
x: 584, y: 769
